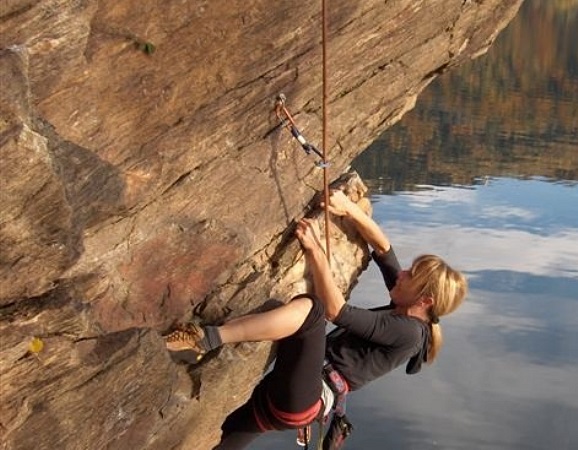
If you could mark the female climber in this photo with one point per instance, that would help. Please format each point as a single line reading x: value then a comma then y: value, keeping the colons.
x: 366, y: 344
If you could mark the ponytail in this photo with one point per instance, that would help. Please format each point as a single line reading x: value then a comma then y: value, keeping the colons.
x: 435, y: 343
x: 448, y: 288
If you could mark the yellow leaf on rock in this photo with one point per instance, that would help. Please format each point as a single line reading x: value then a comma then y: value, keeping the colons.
x: 36, y: 345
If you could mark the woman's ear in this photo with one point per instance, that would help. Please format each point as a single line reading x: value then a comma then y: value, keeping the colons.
x: 428, y: 301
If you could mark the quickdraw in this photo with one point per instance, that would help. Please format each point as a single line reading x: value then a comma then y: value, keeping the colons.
x: 287, y: 121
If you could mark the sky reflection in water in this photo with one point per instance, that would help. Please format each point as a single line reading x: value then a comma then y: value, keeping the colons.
x: 506, y: 377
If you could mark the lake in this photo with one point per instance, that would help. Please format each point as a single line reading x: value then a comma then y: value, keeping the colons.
x: 484, y: 172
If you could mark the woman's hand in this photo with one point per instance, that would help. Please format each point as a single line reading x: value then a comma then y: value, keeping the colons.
x: 339, y: 203
x: 323, y: 283
x: 308, y: 234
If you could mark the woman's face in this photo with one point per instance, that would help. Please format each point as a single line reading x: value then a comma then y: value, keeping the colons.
x: 404, y: 293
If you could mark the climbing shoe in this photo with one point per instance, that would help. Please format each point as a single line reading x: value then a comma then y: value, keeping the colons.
x: 188, y: 337
x: 339, y: 429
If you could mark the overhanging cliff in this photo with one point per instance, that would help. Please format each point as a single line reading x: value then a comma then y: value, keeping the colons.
x: 140, y: 179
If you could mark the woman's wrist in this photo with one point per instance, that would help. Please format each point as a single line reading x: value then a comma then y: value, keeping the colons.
x: 353, y: 212
x: 315, y: 253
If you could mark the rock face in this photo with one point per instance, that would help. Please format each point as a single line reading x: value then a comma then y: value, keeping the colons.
x: 142, y: 177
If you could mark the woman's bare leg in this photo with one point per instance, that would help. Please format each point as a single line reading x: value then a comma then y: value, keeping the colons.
x: 267, y: 326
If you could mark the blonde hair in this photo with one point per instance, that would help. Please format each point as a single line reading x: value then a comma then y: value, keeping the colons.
x: 448, y: 288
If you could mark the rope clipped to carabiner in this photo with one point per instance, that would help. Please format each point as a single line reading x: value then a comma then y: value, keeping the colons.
x: 286, y: 120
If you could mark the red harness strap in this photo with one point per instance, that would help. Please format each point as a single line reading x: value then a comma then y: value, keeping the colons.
x: 268, y: 417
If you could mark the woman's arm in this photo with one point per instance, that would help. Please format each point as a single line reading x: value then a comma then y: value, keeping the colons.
x: 325, y: 287
x: 341, y: 205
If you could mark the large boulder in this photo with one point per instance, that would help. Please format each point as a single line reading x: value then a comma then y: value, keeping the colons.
x: 143, y: 176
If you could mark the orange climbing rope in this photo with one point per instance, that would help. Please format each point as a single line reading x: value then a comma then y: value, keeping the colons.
x: 287, y: 120
x: 324, y: 19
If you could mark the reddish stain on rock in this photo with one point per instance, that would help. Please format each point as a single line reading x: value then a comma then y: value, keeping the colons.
x: 163, y: 278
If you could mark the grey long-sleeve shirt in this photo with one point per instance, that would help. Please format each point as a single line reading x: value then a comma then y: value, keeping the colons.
x: 369, y: 343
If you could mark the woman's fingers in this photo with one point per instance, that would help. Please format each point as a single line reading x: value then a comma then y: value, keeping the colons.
x: 307, y: 232
x: 337, y: 203
x: 301, y: 230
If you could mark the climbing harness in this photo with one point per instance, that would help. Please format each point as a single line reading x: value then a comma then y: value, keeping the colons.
x: 334, y: 392
x: 339, y: 427
x: 339, y: 387
x: 304, y: 433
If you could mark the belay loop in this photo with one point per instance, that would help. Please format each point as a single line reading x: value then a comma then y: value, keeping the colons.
x: 286, y: 120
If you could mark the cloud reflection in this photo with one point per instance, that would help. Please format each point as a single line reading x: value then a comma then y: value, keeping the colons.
x: 477, y: 249
x: 503, y: 211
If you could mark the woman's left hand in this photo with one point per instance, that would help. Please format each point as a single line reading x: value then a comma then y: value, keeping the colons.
x: 308, y: 234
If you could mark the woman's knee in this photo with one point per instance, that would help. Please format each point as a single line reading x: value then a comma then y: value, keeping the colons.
x: 311, y: 308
